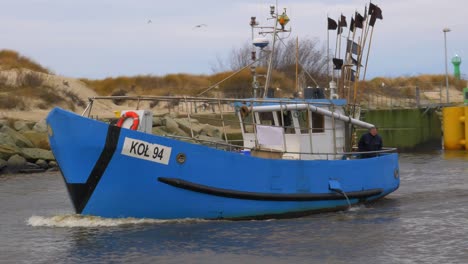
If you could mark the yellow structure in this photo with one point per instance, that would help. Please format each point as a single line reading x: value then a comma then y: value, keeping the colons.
x: 455, y: 121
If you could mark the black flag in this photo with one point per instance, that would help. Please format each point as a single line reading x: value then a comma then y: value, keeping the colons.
x: 355, y: 62
x: 358, y: 20
x: 338, y: 63
x: 342, y: 23
x: 375, y: 12
x: 353, y: 47
x: 332, y: 24
x: 371, y: 8
x: 351, y: 25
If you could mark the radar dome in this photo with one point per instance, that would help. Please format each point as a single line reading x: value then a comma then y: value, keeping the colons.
x: 260, y: 42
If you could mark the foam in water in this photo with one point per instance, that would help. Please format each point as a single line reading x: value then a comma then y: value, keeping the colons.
x: 74, y: 220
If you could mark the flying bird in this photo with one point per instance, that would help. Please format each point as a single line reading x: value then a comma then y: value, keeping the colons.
x: 200, y: 26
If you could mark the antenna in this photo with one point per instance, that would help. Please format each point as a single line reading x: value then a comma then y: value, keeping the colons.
x: 261, y: 43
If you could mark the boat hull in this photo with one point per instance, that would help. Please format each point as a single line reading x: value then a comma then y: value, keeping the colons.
x: 115, y: 172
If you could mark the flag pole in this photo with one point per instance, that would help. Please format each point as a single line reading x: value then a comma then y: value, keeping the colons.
x: 339, y: 45
x: 336, y: 50
x: 297, y: 62
x: 349, y: 58
x: 328, y: 53
x: 367, y: 57
x: 359, y: 59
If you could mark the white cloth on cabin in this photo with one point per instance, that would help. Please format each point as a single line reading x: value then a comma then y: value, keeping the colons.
x: 270, y: 136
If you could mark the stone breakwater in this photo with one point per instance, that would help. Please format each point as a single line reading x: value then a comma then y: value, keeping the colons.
x: 24, y: 145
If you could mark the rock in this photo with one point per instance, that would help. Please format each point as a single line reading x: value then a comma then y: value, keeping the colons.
x: 185, y: 125
x: 212, y: 131
x: 177, y: 132
x: 170, y: 124
x: 159, y: 131
x: 3, y: 122
x: 18, y: 139
x: 42, y: 163
x: 53, y: 164
x: 34, y: 154
x: 31, y: 168
x: 40, y: 126
x: 6, y: 139
x: 39, y: 139
x: 21, y: 126
x: 210, y: 139
x: 16, y: 162
x: 171, y: 115
x: 157, y: 121
x: 3, y: 164
x: 6, y: 151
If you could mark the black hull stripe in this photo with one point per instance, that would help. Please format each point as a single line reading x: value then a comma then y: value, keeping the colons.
x: 80, y: 193
x: 186, y: 185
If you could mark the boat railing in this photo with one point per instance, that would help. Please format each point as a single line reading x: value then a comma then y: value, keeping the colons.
x: 224, y: 114
x: 244, y: 150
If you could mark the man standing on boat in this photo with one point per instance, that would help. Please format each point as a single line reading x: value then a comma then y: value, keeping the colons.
x: 370, y: 141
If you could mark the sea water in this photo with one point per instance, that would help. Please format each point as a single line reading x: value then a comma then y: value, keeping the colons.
x: 425, y: 221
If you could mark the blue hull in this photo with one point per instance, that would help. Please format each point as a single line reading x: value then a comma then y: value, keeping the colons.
x: 114, y: 172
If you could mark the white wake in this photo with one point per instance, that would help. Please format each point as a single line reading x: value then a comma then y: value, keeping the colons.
x: 74, y: 220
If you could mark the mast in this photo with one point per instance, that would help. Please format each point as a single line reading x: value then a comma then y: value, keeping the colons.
x: 270, y: 62
x: 297, y: 62
x: 281, y: 20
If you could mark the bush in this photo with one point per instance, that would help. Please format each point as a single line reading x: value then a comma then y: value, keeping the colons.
x: 119, y: 92
x: 153, y: 103
x: 42, y: 106
x: 74, y: 98
x: 32, y: 79
x: 12, y: 102
x: 10, y: 59
x: 49, y: 96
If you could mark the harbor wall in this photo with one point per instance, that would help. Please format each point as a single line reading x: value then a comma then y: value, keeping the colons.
x: 407, y: 129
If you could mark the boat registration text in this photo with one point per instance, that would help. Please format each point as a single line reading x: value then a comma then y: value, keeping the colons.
x: 147, y: 151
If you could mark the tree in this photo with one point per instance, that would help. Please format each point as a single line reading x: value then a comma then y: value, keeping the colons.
x: 312, y: 59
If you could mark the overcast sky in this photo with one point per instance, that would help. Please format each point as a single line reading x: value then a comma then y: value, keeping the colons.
x: 107, y: 38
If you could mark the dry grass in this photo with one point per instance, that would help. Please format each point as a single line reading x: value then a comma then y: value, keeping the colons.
x: 424, y: 82
x: 184, y: 84
x: 74, y: 98
x: 404, y: 87
x: 43, y: 97
x: 150, y: 85
x: 32, y: 79
x: 119, y: 92
x: 10, y: 59
x: 10, y: 102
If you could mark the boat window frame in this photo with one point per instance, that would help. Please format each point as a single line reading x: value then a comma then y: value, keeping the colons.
x: 320, y: 120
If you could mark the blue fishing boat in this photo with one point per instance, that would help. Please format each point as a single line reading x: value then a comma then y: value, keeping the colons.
x: 295, y: 156
x: 288, y: 165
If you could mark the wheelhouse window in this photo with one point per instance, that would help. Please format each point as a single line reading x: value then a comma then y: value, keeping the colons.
x: 318, y: 123
x: 266, y: 118
x: 288, y: 122
x: 303, y: 119
x: 247, y: 124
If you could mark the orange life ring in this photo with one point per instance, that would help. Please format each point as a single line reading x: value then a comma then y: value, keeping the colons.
x: 129, y: 114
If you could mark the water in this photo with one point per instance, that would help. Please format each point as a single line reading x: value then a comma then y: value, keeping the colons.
x: 425, y: 221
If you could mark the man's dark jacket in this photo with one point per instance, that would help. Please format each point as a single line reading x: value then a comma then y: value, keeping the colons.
x: 368, y: 142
